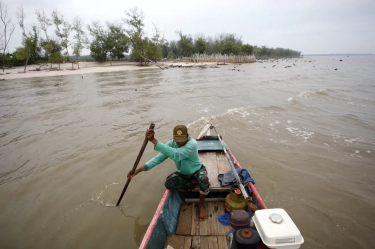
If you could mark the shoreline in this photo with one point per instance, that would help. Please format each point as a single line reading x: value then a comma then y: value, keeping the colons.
x: 87, y: 68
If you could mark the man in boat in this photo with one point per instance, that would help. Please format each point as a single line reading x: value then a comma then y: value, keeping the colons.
x: 182, y: 149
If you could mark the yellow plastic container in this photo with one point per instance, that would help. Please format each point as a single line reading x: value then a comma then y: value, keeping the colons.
x: 234, y: 202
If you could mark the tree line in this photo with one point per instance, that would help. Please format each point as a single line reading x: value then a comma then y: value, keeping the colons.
x: 54, y: 39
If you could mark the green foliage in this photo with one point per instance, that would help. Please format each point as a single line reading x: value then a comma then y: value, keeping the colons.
x: 44, y: 22
x: 20, y: 53
x: 33, y: 44
x: 98, y: 50
x: 111, y: 41
x: 6, y: 59
x: 116, y: 41
x: 135, y: 30
x: 171, y: 55
x: 51, y: 46
x: 56, y: 57
x: 62, y: 31
x: 224, y: 43
x: 231, y: 48
x: 165, y: 50
x: 247, y: 49
x: 185, y: 44
x: 173, y: 49
x: 152, y: 50
x: 143, y: 49
x: 25, y: 52
x: 265, y: 52
x: 200, y: 45
x: 229, y: 44
x: 138, y: 49
x: 149, y: 51
x: 98, y: 47
x: 79, y: 38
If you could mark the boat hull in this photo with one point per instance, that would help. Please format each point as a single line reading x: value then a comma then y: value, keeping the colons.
x: 176, y: 221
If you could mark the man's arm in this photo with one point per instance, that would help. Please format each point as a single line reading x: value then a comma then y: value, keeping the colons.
x: 151, y: 163
x: 173, y: 153
x: 176, y: 154
x: 156, y: 160
x: 139, y: 170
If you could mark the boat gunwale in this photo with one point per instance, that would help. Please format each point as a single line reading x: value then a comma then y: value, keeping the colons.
x: 250, y: 184
x: 152, y: 225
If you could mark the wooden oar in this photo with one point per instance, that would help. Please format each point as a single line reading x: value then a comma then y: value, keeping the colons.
x: 252, y: 207
x: 152, y: 126
x: 204, y: 130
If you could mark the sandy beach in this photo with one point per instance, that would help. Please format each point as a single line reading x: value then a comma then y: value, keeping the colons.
x: 86, y: 68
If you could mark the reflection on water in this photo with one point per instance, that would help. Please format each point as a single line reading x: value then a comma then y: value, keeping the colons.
x: 306, y: 134
x: 139, y: 230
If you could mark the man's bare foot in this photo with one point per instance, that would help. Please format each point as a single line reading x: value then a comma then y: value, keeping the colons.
x: 202, y: 213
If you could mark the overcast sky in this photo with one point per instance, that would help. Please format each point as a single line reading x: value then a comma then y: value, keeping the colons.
x: 310, y: 26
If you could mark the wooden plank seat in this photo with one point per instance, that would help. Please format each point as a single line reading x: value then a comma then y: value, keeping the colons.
x: 216, y: 163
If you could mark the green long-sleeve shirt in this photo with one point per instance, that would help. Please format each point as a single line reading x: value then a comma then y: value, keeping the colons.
x: 186, y: 157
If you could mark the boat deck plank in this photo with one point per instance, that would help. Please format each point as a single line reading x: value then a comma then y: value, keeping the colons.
x: 222, y: 163
x: 216, y: 163
x: 220, y: 211
x: 211, y: 166
x: 189, y: 242
x: 185, y: 218
x: 195, y: 220
x: 210, y: 233
x: 176, y: 241
x: 189, y: 223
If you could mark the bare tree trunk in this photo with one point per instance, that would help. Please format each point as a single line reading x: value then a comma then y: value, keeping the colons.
x: 4, y: 60
x: 78, y: 64
x: 27, y: 60
x: 8, y: 28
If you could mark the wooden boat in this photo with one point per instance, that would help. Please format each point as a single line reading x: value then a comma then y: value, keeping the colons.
x: 176, y: 223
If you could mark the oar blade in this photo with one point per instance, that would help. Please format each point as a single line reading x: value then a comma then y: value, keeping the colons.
x: 204, y: 130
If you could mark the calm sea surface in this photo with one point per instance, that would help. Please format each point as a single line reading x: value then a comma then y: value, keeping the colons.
x: 306, y: 133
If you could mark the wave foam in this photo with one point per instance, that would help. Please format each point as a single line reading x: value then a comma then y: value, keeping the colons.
x: 308, y: 95
x: 305, y: 134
